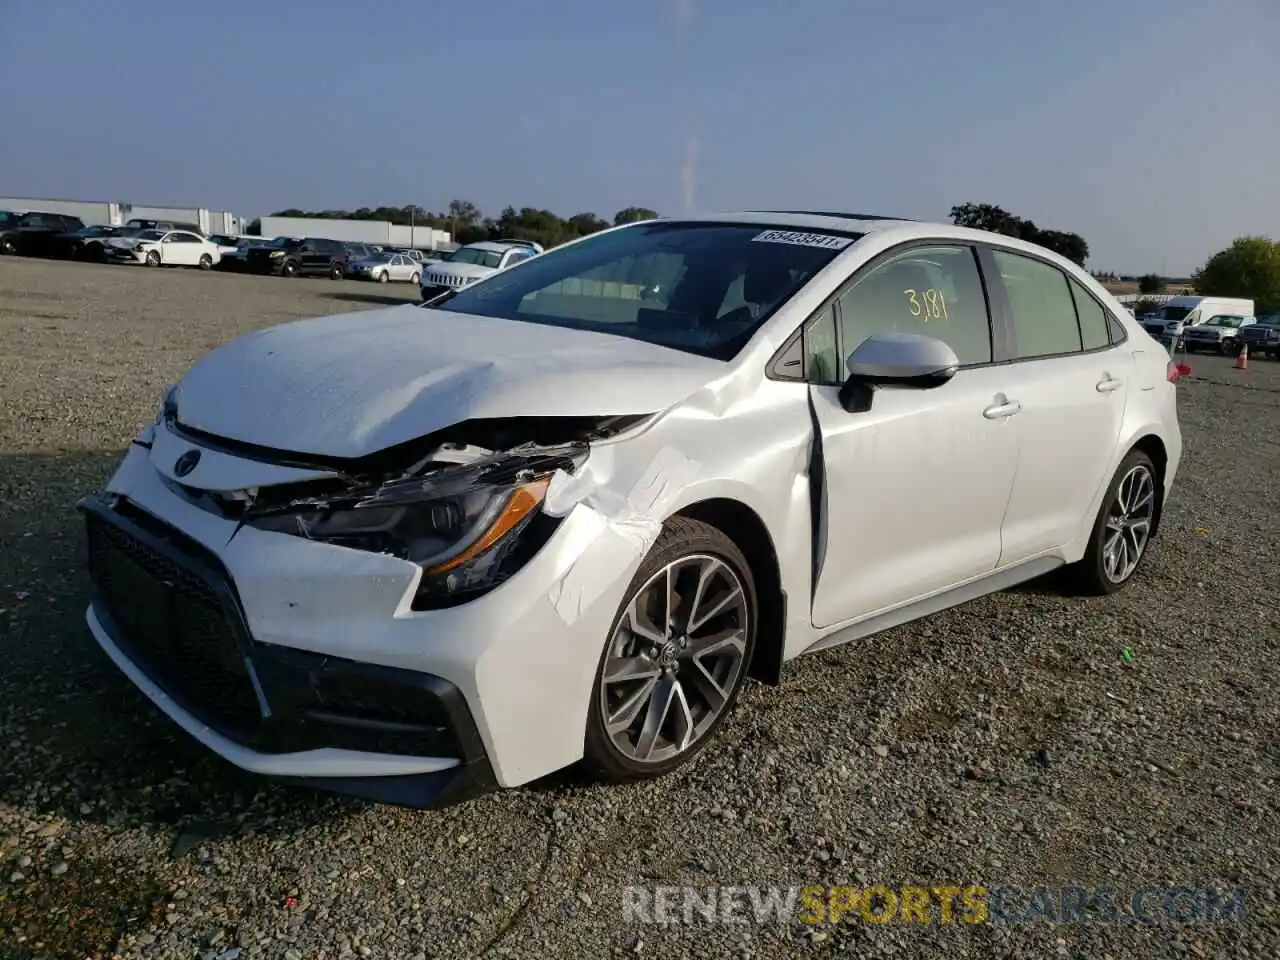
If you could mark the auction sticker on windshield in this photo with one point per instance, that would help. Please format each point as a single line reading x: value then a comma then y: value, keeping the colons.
x: 826, y: 241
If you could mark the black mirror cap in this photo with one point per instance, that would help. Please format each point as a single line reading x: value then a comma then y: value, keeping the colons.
x: 857, y: 392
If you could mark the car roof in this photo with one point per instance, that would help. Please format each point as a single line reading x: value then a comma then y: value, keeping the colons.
x: 887, y: 229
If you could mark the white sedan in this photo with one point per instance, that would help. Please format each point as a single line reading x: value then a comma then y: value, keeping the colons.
x: 167, y: 248
x: 564, y: 514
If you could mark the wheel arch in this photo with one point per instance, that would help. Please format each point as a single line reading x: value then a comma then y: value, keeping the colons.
x: 1153, y: 447
x: 743, y: 526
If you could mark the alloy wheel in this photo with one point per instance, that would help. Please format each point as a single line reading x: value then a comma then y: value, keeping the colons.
x: 1128, y: 525
x: 675, y: 659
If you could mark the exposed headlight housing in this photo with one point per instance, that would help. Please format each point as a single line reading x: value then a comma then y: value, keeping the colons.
x: 468, y: 527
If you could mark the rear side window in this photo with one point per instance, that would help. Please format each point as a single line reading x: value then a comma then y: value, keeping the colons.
x: 1044, y: 314
x: 934, y: 291
x: 1093, y: 319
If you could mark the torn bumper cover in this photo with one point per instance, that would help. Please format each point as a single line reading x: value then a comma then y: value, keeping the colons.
x: 338, y: 639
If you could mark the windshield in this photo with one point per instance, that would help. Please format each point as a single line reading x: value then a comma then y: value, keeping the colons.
x: 1174, y: 314
x: 151, y: 235
x: 704, y: 288
x: 1269, y: 320
x: 96, y: 231
x: 1225, y: 322
x: 485, y: 258
x: 222, y: 239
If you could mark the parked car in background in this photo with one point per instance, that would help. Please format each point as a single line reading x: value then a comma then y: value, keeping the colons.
x: 301, y: 257
x: 32, y: 234
x: 235, y: 259
x: 360, y: 251
x: 1219, y: 332
x: 386, y: 267
x: 83, y: 244
x: 165, y: 248
x: 474, y: 262
x: 1179, y: 313
x: 1263, y: 336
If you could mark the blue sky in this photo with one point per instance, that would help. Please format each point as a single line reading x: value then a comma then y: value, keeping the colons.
x: 1151, y: 127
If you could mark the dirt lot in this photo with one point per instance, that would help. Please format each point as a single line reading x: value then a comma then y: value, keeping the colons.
x: 1005, y: 742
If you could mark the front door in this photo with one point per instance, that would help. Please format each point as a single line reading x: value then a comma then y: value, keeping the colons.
x: 914, y: 489
x: 1072, y: 384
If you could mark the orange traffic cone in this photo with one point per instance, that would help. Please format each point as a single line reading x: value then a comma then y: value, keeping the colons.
x: 1242, y: 358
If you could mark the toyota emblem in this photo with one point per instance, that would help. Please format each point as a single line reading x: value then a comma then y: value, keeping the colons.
x: 186, y: 463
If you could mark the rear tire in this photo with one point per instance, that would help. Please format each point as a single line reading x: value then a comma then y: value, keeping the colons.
x: 415, y: 279
x: 8, y: 247
x: 1122, y: 530
x: 669, y: 687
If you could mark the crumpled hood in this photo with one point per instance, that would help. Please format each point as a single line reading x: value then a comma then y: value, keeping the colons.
x: 471, y: 270
x: 350, y: 385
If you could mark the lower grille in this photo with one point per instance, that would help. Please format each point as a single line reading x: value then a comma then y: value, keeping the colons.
x: 175, y: 626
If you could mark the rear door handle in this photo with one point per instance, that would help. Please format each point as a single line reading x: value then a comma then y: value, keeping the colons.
x: 1002, y: 408
x: 1108, y: 383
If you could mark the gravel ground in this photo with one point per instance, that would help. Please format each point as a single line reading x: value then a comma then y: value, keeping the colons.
x: 1005, y: 742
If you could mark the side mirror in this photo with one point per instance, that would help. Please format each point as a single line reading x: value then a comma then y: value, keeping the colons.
x: 904, y: 360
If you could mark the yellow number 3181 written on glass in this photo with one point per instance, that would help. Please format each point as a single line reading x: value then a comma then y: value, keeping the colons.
x: 927, y: 304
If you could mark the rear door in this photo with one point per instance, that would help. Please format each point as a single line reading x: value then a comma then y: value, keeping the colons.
x: 1071, y: 382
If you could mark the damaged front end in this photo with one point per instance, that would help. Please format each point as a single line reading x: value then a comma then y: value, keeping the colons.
x: 469, y: 516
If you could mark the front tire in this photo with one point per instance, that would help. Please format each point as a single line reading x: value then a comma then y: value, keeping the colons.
x: 676, y: 656
x: 382, y: 277
x: 1123, y: 528
x: 289, y: 269
x: 206, y: 262
x: 335, y: 271
x: 415, y: 279
x: 153, y: 258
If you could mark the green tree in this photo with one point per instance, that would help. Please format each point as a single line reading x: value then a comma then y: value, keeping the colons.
x: 633, y: 214
x: 1150, y: 283
x: 993, y: 219
x: 1069, y: 245
x: 254, y: 229
x: 585, y: 224
x: 1250, y: 267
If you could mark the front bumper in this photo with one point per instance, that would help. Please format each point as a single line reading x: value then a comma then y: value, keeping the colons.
x: 165, y: 610
x: 521, y: 658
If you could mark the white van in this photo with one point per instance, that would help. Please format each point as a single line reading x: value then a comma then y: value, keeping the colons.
x: 1179, y: 313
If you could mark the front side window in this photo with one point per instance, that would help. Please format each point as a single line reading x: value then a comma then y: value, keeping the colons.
x: 1044, y: 315
x: 933, y: 291
x: 704, y: 288
x: 1228, y: 322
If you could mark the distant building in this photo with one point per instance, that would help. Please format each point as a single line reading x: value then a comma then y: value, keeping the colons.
x: 380, y: 232
x: 116, y: 213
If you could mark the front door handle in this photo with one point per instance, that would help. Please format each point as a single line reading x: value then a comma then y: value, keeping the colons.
x: 1002, y: 408
x: 1108, y: 383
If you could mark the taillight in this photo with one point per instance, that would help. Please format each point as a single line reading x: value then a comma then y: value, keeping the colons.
x: 1176, y: 370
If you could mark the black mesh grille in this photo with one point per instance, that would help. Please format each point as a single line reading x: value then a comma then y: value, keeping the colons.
x: 174, y: 624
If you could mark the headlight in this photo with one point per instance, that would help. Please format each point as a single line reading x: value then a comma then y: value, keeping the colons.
x: 168, y: 405
x: 277, y: 253
x: 464, y: 526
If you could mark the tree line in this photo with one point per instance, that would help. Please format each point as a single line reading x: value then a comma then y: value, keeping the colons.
x: 467, y: 224
x: 464, y: 221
